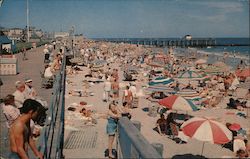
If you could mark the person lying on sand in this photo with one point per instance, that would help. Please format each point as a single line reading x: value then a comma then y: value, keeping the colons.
x: 87, y: 114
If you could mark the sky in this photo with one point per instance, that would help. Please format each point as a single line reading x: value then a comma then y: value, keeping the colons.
x: 132, y: 18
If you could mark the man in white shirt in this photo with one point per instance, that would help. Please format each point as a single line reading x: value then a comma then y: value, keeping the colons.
x: 30, y: 92
x: 19, y: 94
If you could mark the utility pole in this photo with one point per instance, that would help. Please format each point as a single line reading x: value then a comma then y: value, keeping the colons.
x: 73, y: 39
x: 28, y: 27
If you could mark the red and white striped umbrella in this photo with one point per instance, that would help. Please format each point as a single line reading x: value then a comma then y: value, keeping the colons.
x: 207, y: 129
x: 178, y: 103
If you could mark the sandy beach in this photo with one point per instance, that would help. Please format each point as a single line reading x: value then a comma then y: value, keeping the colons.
x: 74, y: 120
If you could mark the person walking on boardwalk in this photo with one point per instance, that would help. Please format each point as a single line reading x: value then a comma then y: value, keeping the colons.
x: 20, y: 132
x: 113, y: 116
x: 24, y: 53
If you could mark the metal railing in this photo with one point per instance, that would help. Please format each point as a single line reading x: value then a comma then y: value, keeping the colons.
x: 131, y: 143
x: 52, y: 135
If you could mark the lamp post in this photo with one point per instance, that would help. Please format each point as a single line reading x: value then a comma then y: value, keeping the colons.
x: 28, y: 27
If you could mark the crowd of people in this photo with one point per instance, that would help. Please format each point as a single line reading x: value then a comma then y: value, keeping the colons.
x: 120, y: 98
x: 25, y: 112
x: 206, y: 88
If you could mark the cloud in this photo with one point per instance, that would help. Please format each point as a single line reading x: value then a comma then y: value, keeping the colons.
x: 221, y: 10
x: 225, y: 6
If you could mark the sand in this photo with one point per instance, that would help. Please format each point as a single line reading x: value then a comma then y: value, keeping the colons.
x: 147, y: 123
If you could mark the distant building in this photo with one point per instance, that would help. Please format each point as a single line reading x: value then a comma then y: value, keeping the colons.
x: 16, y: 31
x: 39, y: 33
x: 61, y: 34
x: 15, y: 34
x: 187, y: 37
x: 5, y: 44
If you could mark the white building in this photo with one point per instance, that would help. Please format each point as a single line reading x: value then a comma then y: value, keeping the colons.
x: 61, y: 34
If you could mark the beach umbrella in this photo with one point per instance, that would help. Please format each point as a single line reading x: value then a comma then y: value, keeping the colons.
x: 160, y: 80
x: 188, y: 93
x: 160, y: 88
x: 200, y: 61
x: 235, y: 127
x: 190, y: 74
x: 244, y: 73
x: 206, y: 130
x: 178, y: 103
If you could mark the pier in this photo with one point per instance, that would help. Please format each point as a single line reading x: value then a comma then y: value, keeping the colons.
x: 165, y: 42
x: 169, y: 42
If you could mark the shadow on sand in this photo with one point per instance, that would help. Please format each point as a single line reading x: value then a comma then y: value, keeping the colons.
x: 189, y: 156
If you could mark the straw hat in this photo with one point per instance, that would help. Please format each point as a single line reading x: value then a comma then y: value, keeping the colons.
x: 27, y: 80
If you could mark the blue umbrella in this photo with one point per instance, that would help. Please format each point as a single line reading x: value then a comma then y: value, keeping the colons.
x: 160, y: 81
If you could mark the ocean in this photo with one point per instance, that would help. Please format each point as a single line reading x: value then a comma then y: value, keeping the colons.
x: 243, y: 50
x: 237, y: 48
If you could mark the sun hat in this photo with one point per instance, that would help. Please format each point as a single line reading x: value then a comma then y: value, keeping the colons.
x: 27, y: 80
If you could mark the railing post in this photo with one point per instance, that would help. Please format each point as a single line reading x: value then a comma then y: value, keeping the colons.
x: 158, y: 147
x: 137, y: 124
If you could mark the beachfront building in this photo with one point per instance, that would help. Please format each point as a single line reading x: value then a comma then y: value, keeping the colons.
x: 15, y: 34
x: 8, y: 62
x: 5, y: 44
x: 61, y: 34
x: 8, y: 65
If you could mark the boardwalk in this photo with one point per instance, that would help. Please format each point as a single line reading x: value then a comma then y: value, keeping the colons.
x: 29, y: 68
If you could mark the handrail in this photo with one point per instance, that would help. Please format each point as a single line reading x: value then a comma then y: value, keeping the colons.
x: 131, y: 143
x: 60, y: 137
x: 50, y: 145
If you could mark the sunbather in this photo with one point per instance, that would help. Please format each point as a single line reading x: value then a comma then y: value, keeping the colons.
x: 236, y: 104
x: 161, y: 125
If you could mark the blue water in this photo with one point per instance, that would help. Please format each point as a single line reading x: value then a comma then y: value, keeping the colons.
x: 244, y: 50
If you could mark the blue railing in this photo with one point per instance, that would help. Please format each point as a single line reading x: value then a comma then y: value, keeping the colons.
x: 131, y: 143
x: 52, y: 136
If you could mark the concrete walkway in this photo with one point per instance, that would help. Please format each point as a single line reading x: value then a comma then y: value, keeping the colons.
x: 27, y: 68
